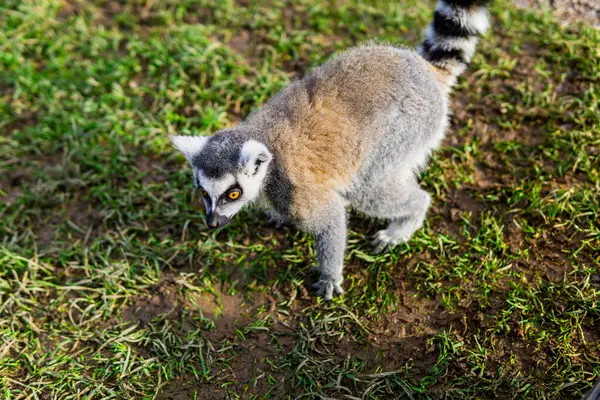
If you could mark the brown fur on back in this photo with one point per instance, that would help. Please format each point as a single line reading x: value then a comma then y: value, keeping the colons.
x: 324, y: 122
x: 321, y: 152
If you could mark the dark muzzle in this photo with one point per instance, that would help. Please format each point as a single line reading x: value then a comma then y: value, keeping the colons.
x: 214, y: 220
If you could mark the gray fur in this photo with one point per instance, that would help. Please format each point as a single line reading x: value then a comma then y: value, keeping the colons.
x: 220, y: 155
x: 354, y: 132
x: 330, y: 238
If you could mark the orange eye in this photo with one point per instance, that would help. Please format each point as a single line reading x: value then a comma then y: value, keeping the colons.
x: 234, y: 194
x: 203, y: 192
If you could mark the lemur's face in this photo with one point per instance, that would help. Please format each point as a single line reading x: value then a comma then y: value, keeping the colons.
x: 228, y: 174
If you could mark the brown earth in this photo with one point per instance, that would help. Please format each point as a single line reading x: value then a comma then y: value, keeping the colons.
x: 568, y: 11
x: 402, y: 334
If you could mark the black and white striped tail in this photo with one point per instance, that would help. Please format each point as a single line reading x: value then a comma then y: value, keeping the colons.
x: 451, y: 38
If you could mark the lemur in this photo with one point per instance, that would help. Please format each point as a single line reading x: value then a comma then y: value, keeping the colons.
x: 354, y: 132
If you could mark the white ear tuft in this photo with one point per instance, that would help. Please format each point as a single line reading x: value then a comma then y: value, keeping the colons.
x: 253, y: 155
x: 189, y: 146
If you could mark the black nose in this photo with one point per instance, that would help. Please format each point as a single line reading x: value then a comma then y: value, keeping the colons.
x: 214, y: 220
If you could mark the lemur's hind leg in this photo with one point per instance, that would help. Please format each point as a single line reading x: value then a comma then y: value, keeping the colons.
x: 403, y: 203
x: 409, y: 219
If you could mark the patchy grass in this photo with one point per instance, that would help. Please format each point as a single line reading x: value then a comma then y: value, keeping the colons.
x: 111, y: 287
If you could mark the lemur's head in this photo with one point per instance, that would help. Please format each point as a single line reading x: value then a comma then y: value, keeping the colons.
x: 228, y: 171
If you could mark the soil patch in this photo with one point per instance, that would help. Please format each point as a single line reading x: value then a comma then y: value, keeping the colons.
x: 245, y: 375
x: 567, y: 11
x: 165, y: 300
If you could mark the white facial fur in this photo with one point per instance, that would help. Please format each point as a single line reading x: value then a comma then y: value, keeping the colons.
x: 215, y: 188
x: 254, y: 161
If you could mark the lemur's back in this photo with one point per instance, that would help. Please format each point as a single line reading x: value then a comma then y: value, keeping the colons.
x: 370, y: 102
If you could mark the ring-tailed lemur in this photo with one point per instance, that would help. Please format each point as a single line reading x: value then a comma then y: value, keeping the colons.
x: 353, y: 132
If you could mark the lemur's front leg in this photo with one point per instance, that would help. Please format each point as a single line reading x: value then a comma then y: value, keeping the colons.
x: 330, y: 239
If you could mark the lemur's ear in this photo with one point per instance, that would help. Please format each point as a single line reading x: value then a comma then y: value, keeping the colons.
x: 189, y: 146
x: 253, y: 155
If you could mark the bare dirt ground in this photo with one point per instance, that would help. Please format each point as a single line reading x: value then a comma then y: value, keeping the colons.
x: 568, y: 11
x: 111, y: 285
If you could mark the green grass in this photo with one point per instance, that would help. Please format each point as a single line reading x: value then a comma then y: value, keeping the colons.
x: 111, y: 287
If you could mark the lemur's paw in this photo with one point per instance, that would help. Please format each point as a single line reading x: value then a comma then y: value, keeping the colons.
x: 327, y: 288
x: 383, y: 241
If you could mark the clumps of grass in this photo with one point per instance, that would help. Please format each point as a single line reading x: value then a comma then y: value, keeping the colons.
x: 111, y: 287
